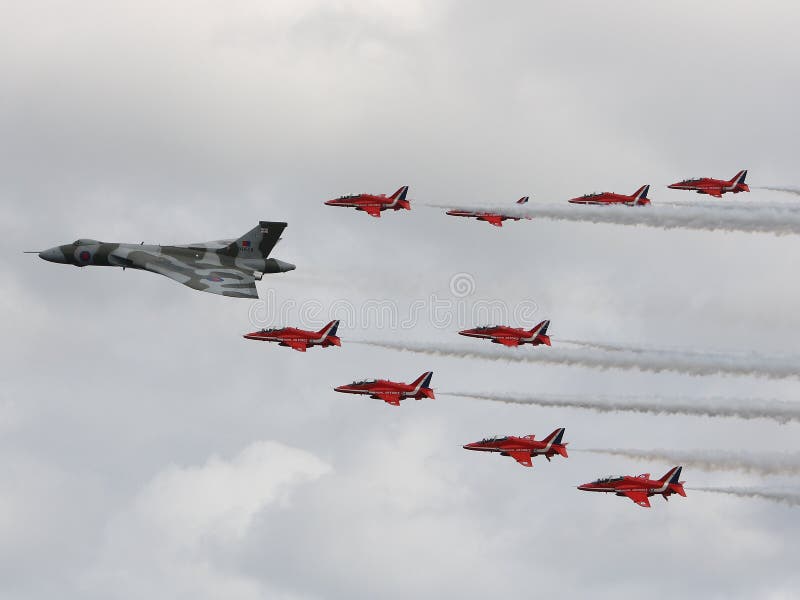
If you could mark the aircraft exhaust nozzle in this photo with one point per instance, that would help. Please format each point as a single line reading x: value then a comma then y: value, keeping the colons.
x: 562, y: 450
x: 546, y: 340
x: 273, y: 265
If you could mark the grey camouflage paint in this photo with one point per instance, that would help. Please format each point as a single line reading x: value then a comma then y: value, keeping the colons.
x: 226, y: 267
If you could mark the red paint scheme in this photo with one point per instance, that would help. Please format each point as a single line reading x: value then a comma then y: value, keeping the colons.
x: 299, y: 339
x: 714, y: 187
x: 638, y: 198
x: 639, y: 488
x: 511, y: 336
x: 493, y: 218
x: 523, y: 449
x: 373, y: 205
x: 391, y: 392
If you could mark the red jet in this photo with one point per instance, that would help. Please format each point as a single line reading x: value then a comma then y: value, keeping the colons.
x: 511, y: 336
x: 373, y: 205
x: 639, y: 488
x: 299, y: 339
x: 391, y: 392
x: 639, y: 198
x: 523, y: 449
x: 493, y: 218
x: 714, y: 187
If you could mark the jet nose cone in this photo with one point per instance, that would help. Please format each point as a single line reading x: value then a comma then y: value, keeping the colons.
x: 469, y: 446
x: 53, y: 255
x: 673, y: 186
x: 583, y: 487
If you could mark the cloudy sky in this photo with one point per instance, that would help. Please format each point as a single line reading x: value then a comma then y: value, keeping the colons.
x: 147, y: 450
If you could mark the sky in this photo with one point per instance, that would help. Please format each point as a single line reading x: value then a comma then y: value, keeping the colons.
x: 147, y: 450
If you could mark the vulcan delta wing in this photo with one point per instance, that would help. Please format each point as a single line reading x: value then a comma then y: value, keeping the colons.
x: 227, y: 267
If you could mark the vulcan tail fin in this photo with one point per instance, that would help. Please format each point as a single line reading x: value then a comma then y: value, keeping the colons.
x: 258, y: 242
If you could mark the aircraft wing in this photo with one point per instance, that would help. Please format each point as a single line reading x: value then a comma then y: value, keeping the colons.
x: 639, y: 498
x: 299, y: 346
x: 372, y: 211
x: 495, y: 220
x: 222, y: 280
x: 389, y: 399
x: 510, y: 342
x: 522, y: 458
x: 716, y: 192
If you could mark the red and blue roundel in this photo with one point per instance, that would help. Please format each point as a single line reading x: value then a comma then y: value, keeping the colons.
x: 85, y: 256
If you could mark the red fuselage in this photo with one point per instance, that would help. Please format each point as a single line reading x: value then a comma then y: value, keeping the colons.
x: 610, y: 198
x: 495, y: 219
x: 511, y: 336
x: 372, y: 204
x: 299, y: 339
x: 714, y: 187
x: 523, y: 449
x: 391, y: 392
x: 640, y: 487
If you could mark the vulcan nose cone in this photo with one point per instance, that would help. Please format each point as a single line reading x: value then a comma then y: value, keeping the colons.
x: 55, y: 255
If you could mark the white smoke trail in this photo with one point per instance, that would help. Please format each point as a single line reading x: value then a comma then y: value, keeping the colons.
x: 774, y: 220
x: 741, y: 408
x: 775, y: 188
x: 654, y: 361
x: 776, y: 463
x: 782, y: 497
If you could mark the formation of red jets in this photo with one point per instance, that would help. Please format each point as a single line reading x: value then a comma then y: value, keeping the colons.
x: 373, y: 204
x: 522, y: 449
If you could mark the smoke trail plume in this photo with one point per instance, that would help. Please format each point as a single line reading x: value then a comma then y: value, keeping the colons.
x: 775, y: 188
x: 620, y: 357
x: 774, y: 220
x: 791, y: 499
x: 776, y: 463
x: 741, y: 408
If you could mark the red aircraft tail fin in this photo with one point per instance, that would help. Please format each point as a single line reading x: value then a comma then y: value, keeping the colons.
x: 540, y: 331
x: 640, y: 196
x: 330, y: 328
x: 399, y: 199
x: 672, y: 475
x: 424, y: 382
x: 738, y: 181
x: 523, y: 200
x: 739, y: 177
x: 555, y: 438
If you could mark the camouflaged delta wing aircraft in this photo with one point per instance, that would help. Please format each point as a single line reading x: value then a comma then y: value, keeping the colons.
x: 225, y: 267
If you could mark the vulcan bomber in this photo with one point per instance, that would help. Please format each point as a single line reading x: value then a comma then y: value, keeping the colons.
x: 225, y: 267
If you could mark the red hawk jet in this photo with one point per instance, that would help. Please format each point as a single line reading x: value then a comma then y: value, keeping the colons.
x: 299, y: 339
x: 639, y: 488
x: 523, y: 449
x: 511, y: 336
x: 714, y: 187
x: 373, y: 205
x: 493, y: 218
x: 639, y: 198
x: 391, y: 392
